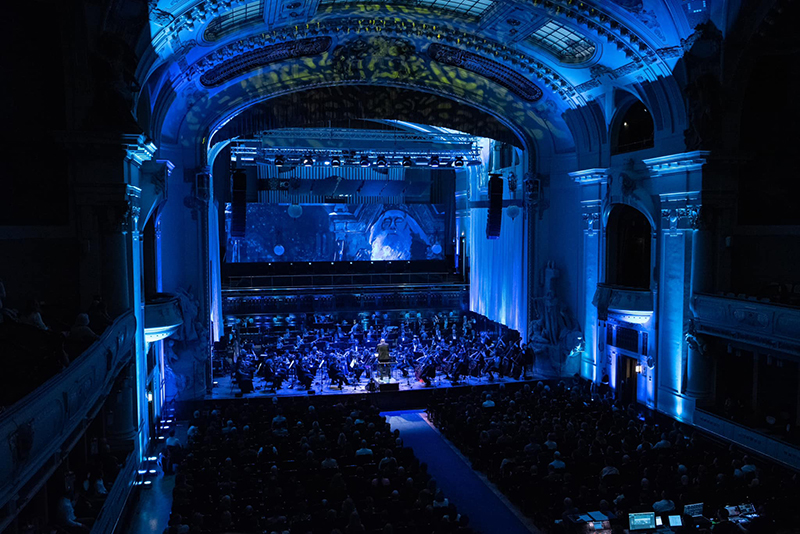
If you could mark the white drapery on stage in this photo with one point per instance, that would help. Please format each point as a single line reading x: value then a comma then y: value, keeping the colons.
x: 496, y: 270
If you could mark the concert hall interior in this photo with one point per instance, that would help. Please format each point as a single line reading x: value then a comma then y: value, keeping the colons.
x: 400, y: 267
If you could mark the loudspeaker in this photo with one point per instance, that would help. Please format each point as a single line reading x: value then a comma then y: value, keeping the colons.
x: 239, y: 203
x: 391, y: 386
x: 495, y: 217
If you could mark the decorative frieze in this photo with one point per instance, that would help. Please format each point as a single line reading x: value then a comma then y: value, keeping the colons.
x: 680, y: 218
x: 756, y: 323
x: 590, y: 176
x: 674, y: 163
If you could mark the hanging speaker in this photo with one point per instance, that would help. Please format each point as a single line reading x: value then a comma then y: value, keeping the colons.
x: 495, y: 217
x: 239, y: 203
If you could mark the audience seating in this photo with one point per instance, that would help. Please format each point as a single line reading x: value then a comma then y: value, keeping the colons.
x: 295, y: 467
x: 614, y: 459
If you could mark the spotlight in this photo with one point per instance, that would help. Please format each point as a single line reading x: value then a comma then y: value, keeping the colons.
x: 434, y: 161
x: 381, y: 162
x: 308, y: 161
x: 336, y: 162
x: 280, y: 161
x: 365, y: 161
x: 407, y: 162
x: 459, y: 162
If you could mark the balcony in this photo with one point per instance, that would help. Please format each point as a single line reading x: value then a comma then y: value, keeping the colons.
x: 37, y: 430
x: 746, y: 437
x: 626, y: 304
x: 162, y: 317
x: 758, y: 323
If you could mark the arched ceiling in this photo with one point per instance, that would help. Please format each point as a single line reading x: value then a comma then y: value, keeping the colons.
x: 203, y: 62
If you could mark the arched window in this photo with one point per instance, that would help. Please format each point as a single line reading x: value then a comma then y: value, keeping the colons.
x: 634, y: 130
x: 628, y: 248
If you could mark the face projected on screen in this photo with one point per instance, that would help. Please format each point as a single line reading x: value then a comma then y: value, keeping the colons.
x: 391, y: 236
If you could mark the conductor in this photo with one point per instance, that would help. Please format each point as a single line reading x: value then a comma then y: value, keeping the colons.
x: 384, y: 369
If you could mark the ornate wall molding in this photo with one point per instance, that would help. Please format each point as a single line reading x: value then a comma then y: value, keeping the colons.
x: 228, y: 63
x: 138, y: 148
x: 402, y: 29
x: 497, y: 72
x: 680, y: 211
x: 683, y: 162
x: 590, y: 176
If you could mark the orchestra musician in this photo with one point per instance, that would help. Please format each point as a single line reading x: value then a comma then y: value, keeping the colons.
x: 336, y: 373
x: 304, y: 376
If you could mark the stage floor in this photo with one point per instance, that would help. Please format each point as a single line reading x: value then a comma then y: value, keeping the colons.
x: 224, y: 389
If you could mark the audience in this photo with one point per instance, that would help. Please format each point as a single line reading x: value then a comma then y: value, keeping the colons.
x: 557, y: 450
x: 33, y: 352
x: 263, y: 474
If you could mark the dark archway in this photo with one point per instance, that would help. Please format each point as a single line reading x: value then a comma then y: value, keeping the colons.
x: 628, y: 248
x: 633, y: 129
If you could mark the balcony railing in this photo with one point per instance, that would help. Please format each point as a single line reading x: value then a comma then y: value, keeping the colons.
x: 37, y: 431
x: 746, y: 437
x: 762, y: 324
x: 162, y: 316
x: 627, y: 304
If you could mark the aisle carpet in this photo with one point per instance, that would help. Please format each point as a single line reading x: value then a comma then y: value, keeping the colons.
x: 487, y: 512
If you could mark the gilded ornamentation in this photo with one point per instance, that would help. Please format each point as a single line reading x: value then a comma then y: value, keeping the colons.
x: 241, y: 63
x: 497, y: 72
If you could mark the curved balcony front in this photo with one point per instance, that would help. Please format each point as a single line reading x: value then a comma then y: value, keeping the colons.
x: 37, y: 430
x: 162, y: 317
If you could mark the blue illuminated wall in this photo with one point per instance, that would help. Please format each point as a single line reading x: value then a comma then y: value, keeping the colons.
x: 496, y: 270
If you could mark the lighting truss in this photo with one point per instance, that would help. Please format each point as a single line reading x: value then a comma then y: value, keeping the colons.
x: 249, y: 156
x: 352, y: 147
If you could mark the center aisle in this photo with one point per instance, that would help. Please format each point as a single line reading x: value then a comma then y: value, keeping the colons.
x: 488, y: 513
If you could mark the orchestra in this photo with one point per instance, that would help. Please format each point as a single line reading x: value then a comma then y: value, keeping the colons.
x: 444, y: 348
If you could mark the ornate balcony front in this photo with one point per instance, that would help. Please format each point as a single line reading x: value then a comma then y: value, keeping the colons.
x: 762, y: 324
x: 626, y: 304
x: 162, y: 317
x: 37, y: 430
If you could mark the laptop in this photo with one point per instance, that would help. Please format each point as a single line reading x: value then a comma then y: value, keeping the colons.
x: 642, y: 521
x: 693, y: 510
x: 675, y: 521
x: 747, y: 509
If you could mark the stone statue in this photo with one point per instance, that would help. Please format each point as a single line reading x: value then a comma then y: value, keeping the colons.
x: 554, y: 333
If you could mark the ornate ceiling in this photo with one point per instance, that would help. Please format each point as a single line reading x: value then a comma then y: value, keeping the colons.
x: 524, y: 62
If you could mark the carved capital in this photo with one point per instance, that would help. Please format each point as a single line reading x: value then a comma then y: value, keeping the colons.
x: 590, y: 176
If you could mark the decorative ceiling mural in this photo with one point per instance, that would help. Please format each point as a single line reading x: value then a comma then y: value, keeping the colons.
x: 487, y: 68
x: 531, y: 61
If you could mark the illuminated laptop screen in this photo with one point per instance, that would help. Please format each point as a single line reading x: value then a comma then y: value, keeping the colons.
x: 693, y: 510
x: 642, y: 521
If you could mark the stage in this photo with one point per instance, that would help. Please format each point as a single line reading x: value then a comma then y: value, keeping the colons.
x: 410, y: 393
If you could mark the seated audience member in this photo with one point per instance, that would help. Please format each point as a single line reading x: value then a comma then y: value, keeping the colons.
x: 32, y: 315
x: 99, y: 319
x: 80, y: 336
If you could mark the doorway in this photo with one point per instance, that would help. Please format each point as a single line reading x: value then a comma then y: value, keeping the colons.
x: 627, y: 380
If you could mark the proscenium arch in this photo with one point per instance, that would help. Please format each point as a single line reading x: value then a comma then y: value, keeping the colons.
x: 187, y: 115
x: 371, y: 102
